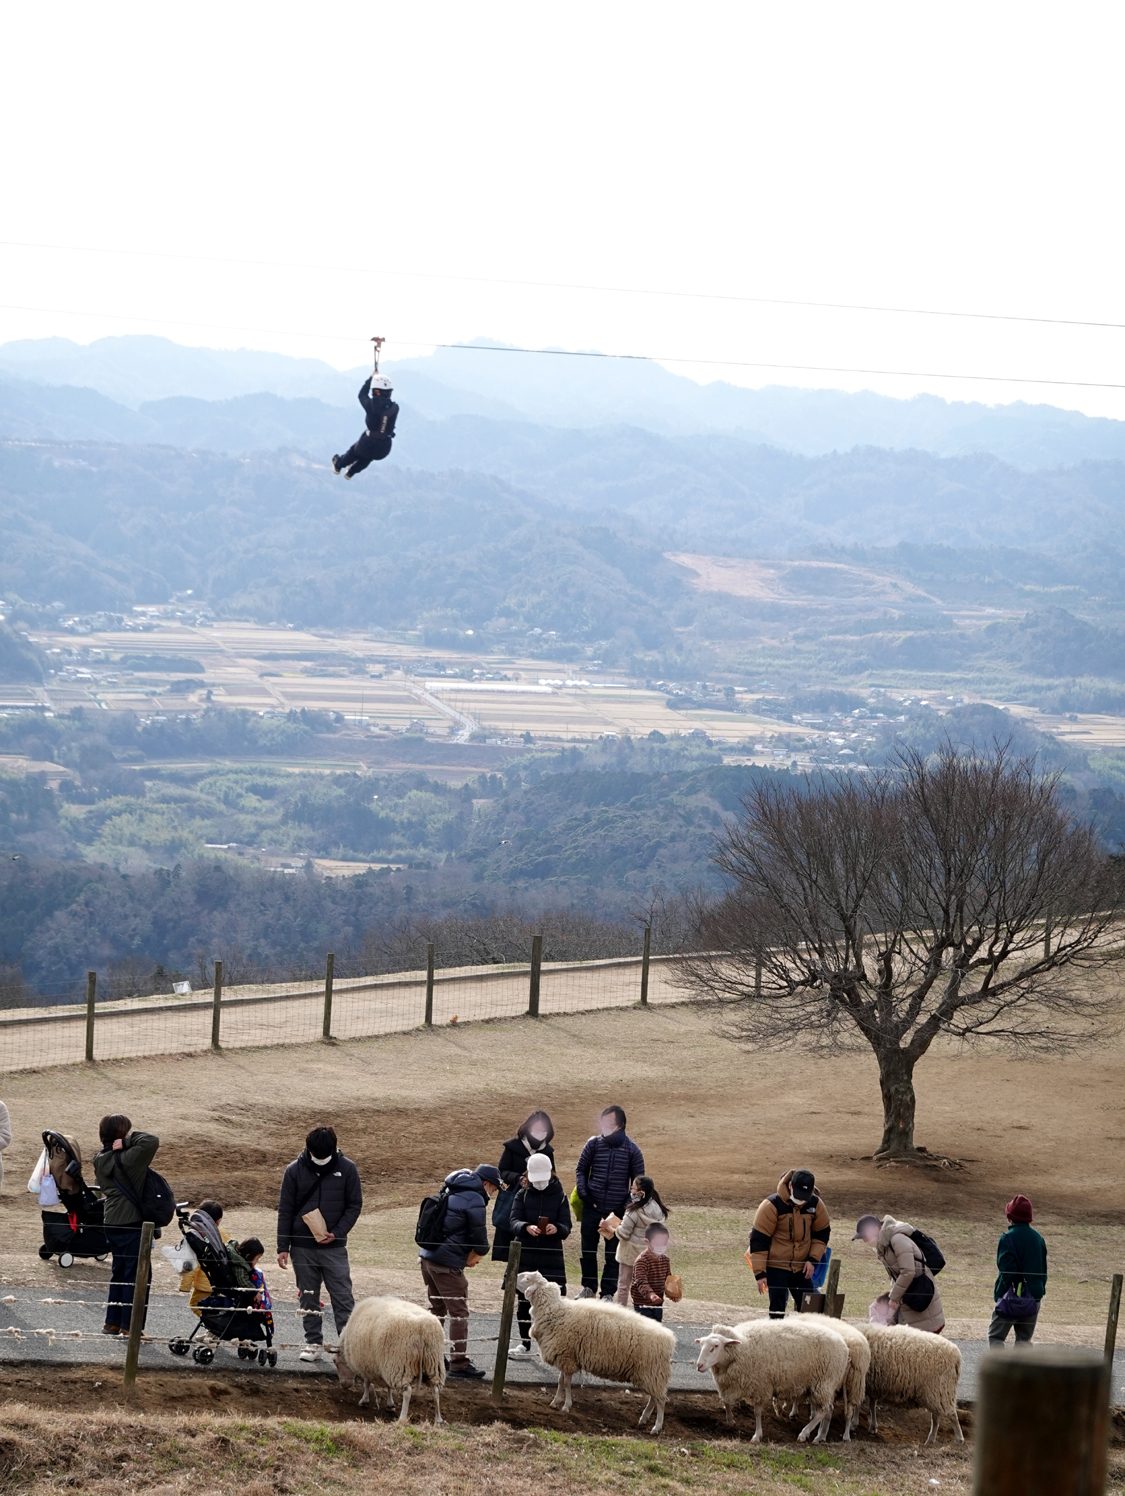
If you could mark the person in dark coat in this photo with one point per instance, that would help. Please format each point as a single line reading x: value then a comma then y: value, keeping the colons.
x: 540, y: 1221
x: 607, y: 1166
x: 1021, y: 1262
x: 464, y: 1242
x: 375, y: 443
x: 128, y: 1153
x: 324, y: 1180
x: 534, y: 1136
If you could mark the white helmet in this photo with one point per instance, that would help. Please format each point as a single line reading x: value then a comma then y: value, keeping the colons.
x: 381, y: 382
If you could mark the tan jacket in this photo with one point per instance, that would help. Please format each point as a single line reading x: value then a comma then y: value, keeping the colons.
x: 631, y: 1233
x: 904, y: 1262
x: 785, y: 1235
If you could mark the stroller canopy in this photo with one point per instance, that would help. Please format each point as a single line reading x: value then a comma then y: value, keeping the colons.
x: 64, y: 1160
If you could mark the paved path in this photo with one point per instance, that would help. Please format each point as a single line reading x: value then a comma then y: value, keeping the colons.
x: 169, y: 1315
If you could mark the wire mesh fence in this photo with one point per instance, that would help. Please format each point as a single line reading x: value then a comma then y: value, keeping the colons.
x: 70, y: 1027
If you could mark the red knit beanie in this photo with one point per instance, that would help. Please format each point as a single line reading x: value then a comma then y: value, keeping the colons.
x: 1018, y: 1208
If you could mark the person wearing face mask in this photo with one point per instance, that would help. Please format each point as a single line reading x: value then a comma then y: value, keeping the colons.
x: 789, y: 1237
x: 533, y: 1137
x: 645, y: 1209
x: 540, y: 1222
x: 463, y: 1242
x: 607, y: 1165
x: 320, y: 1202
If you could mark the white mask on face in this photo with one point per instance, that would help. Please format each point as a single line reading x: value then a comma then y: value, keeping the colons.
x: 540, y: 1184
x: 321, y: 1162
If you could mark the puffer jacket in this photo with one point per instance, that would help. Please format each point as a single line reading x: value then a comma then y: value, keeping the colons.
x: 631, y: 1233
x: 513, y: 1166
x: 334, y: 1190
x: 133, y: 1159
x: 606, y: 1169
x: 902, y: 1258
x: 466, y: 1222
x: 786, y: 1235
x: 542, y: 1254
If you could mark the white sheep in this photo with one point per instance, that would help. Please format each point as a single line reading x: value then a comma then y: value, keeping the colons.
x: 392, y: 1343
x: 762, y: 1359
x: 915, y: 1368
x: 603, y: 1339
x: 859, y: 1360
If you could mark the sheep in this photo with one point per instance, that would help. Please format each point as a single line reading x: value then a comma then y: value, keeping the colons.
x: 859, y: 1360
x: 763, y: 1359
x: 914, y: 1367
x: 392, y: 1343
x: 603, y: 1339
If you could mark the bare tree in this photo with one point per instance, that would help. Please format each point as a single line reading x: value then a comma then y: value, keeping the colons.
x: 950, y: 895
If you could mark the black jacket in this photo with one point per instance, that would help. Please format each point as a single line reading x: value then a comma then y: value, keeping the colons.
x: 542, y: 1254
x: 335, y: 1191
x: 466, y: 1223
x: 380, y: 410
x: 133, y: 1158
x: 606, y: 1169
x: 513, y: 1164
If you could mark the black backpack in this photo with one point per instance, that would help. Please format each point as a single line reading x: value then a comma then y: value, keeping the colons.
x: 430, y: 1230
x: 932, y: 1255
x: 156, y: 1202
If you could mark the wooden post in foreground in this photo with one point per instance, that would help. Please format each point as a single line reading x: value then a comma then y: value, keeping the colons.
x: 329, y: 978
x: 91, y: 995
x: 833, y: 1300
x: 140, y: 1296
x: 507, y: 1309
x: 430, y: 984
x: 646, y: 952
x: 216, y: 1004
x: 1111, y: 1326
x: 1042, y: 1424
x: 536, y: 967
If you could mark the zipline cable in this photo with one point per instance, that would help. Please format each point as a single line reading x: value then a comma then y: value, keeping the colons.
x: 644, y: 358
x: 547, y: 285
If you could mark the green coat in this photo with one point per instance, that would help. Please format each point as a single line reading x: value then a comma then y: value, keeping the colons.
x: 133, y: 1158
x: 1021, y: 1256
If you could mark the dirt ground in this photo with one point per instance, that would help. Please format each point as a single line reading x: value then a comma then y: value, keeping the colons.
x: 717, y: 1124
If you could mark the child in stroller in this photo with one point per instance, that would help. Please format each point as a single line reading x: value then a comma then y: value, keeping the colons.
x: 76, y: 1230
x: 231, y: 1311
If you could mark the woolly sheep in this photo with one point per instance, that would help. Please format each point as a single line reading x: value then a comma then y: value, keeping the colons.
x: 859, y: 1360
x: 602, y: 1339
x: 390, y: 1342
x: 763, y: 1359
x: 913, y: 1367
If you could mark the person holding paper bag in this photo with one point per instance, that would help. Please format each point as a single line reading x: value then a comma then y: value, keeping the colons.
x: 320, y: 1201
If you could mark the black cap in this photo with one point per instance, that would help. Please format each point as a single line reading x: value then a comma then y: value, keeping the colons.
x: 801, y: 1184
x: 490, y: 1174
x: 867, y: 1220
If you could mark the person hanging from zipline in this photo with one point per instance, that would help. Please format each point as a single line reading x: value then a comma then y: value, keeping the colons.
x: 381, y: 413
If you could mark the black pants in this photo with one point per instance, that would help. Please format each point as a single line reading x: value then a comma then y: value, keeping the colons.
x: 364, y: 452
x: 124, y: 1243
x: 781, y: 1284
x: 651, y: 1311
x: 591, y: 1216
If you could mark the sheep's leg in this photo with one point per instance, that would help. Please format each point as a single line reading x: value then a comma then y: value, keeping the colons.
x: 405, y: 1409
x: 957, y: 1434
x: 821, y: 1417
x: 645, y: 1410
x: 659, y: 1424
x: 366, y: 1396
x: 931, y: 1437
x: 567, y: 1377
x: 757, y: 1437
x: 557, y: 1400
x: 437, y: 1406
x: 872, y: 1417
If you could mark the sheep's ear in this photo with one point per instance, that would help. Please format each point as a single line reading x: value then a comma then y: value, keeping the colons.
x: 731, y: 1340
x: 698, y: 1341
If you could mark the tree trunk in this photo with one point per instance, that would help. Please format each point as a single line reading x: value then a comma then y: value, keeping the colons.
x: 896, y: 1083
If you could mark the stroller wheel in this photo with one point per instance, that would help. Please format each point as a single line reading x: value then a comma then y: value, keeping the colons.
x: 245, y: 1353
x: 203, y: 1355
x: 66, y: 1259
x: 261, y: 1358
x: 271, y: 1357
x: 45, y: 1252
x: 179, y: 1347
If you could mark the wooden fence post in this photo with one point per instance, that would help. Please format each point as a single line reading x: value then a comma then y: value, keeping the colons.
x: 646, y: 952
x: 91, y: 997
x: 1111, y: 1326
x: 140, y: 1296
x: 833, y: 1300
x: 1042, y: 1424
x: 430, y: 984
x: 536, y: 967
x: 329, y: 978
x: 506, y: 1309
x: 216, y: 1004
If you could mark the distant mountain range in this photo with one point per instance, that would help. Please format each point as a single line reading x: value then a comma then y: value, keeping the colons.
x: 486, y: 381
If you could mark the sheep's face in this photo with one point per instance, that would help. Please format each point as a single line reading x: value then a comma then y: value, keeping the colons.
x: 527, y: 1283
x: 714, y: 1348
x: 343, y: 1370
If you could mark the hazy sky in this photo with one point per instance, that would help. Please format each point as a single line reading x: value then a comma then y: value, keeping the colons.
x: 960, y: 156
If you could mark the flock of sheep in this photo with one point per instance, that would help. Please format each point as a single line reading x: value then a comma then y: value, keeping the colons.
x: 392, y: 1345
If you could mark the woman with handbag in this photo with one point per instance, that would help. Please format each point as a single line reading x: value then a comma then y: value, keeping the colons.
x: 120, y: 1168
x: 1021, y: 1262
x: 914, y: 1298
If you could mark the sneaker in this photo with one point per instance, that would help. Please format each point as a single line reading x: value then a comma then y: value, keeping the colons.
x: 336, y: 464
x: 608, y: 1298
x: 521, y: 1349
x: 310, y: 1353
x: 585, y: 1293
x: 111, y: 1329
x: 466, y: 1372
x: 348, y: 475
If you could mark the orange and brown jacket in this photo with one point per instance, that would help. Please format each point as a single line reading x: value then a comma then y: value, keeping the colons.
x: 786, y: 1235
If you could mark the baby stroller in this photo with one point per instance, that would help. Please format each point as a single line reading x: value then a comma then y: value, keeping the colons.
x: 77, y: 1229
x: 228, y: 1312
